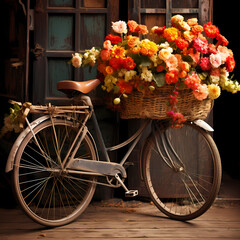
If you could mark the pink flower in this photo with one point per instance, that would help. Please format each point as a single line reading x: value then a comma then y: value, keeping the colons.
x: 201, y: 45
x: 215, y: 60
x: 201, y: 92
x: 172, y: 62
x: 205, y: 64
x: 224, y: 53
x: 192, y: 81
x: 107, y: 44
x: 119, y: 27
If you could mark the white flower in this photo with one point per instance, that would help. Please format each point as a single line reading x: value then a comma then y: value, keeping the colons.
x: 119, y: 27
x: 129, y: 75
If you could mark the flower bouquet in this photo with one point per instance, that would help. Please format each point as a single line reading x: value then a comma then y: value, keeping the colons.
x: 175, y: 70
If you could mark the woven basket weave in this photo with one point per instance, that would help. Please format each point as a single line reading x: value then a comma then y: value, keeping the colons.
x: 154, y: 106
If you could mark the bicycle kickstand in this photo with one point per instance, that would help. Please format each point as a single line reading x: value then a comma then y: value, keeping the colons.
x: 128, y: 193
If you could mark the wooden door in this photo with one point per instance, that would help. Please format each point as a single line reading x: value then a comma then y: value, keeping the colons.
x: 63, y: 27
x: 159, y: 13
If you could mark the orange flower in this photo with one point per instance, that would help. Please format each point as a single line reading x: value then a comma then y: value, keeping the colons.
x: 109, y: 70
x: 181, y: 43
x: 105, y: 55
x: 141, y: 29
x: 132, y: 25
x: 101, y: 67
x: 182, y: 74
x: 135, y: 50
x: 192, y: 21
x: 184, y: 66
x: 133, y: 41
x: 197, y: 29
x: 171, y: 76
x: 171, y: 34
x: 144, y: 51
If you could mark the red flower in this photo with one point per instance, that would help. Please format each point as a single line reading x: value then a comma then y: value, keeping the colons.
x: 128, y: 63
x: 222, y: 40
x: 115, y: 63
x: 124, y: 87
x: 181, y: 43
x: 205, y: 64
x: 159, y: 31
x: 230, y: 63
x: 113, y: 38
x: 211, y: 30
x: 171, y: 76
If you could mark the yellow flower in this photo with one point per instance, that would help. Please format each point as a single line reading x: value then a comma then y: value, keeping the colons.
x: 118, y: 52
x: 171, y: 34
x: 148, y: 47
x: 214, y: 91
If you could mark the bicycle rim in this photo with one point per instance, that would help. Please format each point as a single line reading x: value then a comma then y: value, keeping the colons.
x: 182, y: 171
x: 48, y: 195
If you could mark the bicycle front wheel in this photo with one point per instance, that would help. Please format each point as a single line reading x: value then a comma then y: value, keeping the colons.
x: 182, y: 171
x: 47, y: 194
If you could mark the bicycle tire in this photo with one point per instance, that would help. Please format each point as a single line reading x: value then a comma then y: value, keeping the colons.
x: 48, y: 195
x: 187, y: 188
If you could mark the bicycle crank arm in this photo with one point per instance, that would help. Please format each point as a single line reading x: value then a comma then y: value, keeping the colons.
x: 100, y: 167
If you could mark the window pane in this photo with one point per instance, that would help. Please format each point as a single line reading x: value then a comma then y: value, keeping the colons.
x: 93, y: 30
x: 61, y: 3
x: 185, y: 4
x: 58, y: 70
x: 94, y: 3
x: 153, y: 3
x: 60, y: 32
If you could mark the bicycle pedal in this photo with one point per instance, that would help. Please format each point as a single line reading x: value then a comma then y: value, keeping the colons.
x: 131, y: 193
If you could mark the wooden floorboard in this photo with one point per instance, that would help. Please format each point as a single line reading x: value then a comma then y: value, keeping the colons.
x: 135, y: 220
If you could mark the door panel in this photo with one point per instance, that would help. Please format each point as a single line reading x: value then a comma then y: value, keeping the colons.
x: 63, y: 27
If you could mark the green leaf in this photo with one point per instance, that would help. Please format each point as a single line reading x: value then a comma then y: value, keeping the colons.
x: 159, y: 79
x: 140, y: 59
x: 181, y: 85
x: 187, y: 58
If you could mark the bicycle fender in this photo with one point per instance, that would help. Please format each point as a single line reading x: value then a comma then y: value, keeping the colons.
x: 204, y: 125
x: 17, y: 143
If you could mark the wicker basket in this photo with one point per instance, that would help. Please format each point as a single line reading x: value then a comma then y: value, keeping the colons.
x: 154, y: 105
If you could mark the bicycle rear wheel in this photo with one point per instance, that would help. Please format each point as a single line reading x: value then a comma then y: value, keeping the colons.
x: 182, y: 171
x: 47, y: 194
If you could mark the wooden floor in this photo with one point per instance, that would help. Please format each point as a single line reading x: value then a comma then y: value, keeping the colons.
x: 127, y: 220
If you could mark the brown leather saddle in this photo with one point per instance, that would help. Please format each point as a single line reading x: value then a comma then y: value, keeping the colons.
x: 71, y: 88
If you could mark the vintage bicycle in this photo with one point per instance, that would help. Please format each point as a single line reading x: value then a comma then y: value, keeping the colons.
x: 56, y: 162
